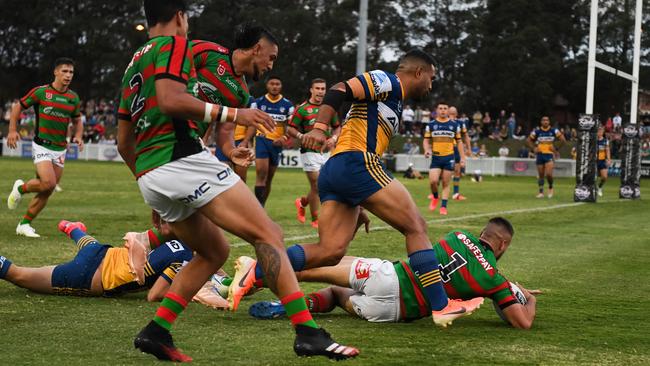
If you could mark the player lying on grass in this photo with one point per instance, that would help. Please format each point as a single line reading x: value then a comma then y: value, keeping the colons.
x: 383, y: 291
x: 102, y: 270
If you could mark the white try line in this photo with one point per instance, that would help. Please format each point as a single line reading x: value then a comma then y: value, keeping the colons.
x: 445, y: 220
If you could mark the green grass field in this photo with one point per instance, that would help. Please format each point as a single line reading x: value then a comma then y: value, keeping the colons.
x: 591, y: 261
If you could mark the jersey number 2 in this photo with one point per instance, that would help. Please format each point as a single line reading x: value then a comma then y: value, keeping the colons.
x: 138, y: 101
x: 457, y: 262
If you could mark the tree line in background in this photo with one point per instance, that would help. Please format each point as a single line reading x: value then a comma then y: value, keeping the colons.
x: 525, y: 56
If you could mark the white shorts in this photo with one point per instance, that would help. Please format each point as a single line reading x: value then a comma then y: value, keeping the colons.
x: 312, y: 162
x: 177, y: 189
x: 42, y: 153
x: 377, y: 290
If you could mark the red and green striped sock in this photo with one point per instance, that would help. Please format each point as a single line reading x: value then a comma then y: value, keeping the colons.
x: 168, y: 311
x: 155, y: 238
x: 22, y: 189
x: 27, y: 219
x: 317, y: 303
x: 297, y: 311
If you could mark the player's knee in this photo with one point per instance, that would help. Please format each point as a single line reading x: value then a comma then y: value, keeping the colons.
x: 47, y: 185
x: 271, y: 234
x: 414, y: 224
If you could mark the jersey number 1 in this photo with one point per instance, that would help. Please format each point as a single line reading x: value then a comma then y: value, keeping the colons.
x: 457, y: 262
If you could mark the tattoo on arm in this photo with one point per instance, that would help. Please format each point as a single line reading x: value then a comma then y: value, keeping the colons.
x: 271, y: 263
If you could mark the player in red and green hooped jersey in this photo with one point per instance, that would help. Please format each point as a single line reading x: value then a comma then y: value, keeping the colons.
x: 301, y: 122
x: 383, y: 291
x: 189, y: 188
x: 222, y: 75
x: 55, y: 107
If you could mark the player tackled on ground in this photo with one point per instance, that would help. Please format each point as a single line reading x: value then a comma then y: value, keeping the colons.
x: 55, y: 106
x: 382, y: 291
x: 190, y: 188
x: 354, y: 176
x: 542, y: 142
x: 302, y: 122
x: 441, y: 136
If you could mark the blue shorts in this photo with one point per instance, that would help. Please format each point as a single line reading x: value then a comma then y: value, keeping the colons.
x: 76, y: 276
x: 442, y: 162
x: 456, y: 154
x: 264, y: 149
x: 602, y: 164
x: 219, y: 154
x: 544, y: 158
x: 351, y: 177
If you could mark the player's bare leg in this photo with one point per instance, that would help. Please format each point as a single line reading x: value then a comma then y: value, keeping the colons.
x: 261, y: 177
x: 241, y: 171
x: 540, y: 180
x: 434, y: 181
x: 269, y: 181
x: 548, y: 172
x: 48, y: 175
x: 338, y: 274
x: 250, y: 222
x: 34, y: 279
x: 312, y: 197
x: 446, y: 179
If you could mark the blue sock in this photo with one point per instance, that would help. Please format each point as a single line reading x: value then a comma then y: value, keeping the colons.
x: 425, y: 266
x: 456, y: 182
x: 540, y: 183
x: 77, y: 234
x: 296, y: 255
x: 444, y: 203
x: 435, y: 195
x: 4, y: 266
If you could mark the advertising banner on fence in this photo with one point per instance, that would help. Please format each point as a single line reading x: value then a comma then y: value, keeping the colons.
x: 587, y: 151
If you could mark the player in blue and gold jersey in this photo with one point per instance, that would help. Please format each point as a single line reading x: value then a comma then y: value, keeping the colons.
x: 441, y: 136
x: 268, y: 144
x: 354, y: 175
x: 604, y: 159
x: 544, y: 137
x: 100, y: 269
x: 458, y: 169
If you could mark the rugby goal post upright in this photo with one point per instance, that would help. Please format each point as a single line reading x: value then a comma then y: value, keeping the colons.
x: 588, y: 123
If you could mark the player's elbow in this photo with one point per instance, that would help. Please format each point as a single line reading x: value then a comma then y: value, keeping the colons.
x: 154, y: 296
x: 524, y: 324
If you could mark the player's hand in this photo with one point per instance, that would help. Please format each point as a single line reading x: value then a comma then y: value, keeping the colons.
x: 155, y: 219
x: 527, y: 293
x: 329, y: 145
x: 608, y: 162
x: 463, y: 162
x: 12, y: 139
x: 245, y: 144
x: 536, y: 150
x: 427, y: 154
x: 363, y: 220
x: 280, y: 141
x: 314, y: 139
x: 242, y: 156
x: 255, y: 118
x: 79, y: 142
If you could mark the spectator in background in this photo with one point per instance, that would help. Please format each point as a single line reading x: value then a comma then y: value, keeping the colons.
x: 574, y: 134
x: 519, y: 134
x: 504, y: 151
x: 2, y: 136
x: 645, y: 147
x: 108, y: 141
x: 523, y: 152
x: 477, y: 118
x: 501, y: 119
x: 417, y: 123
x: 503, y: 132
x: 483, y: 153
x: 617, y: 121
x: 486, y: 124
x: 426, y: 118
x: 408, y: 116
x: 473, y: 134
x: 609, y: 125
x: 512, y: 125
x: 475, y: 149
x: 409, y: 147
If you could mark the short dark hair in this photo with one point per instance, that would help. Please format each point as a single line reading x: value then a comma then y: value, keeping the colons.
x: 443, y: 102
x: 318, y: 80
x: 162, y: 11
x: 63, y: 61
x: 421, y: 55
x: 503, y: 223
x: 273, y: 77
x: 247, y: 35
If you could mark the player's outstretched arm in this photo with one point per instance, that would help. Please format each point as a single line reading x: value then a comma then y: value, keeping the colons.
x: 522, y: 316
x: 158, y: 290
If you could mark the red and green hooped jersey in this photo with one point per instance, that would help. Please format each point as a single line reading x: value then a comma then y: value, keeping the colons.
x: 159, y: 138
x: 468, y: 270
x: 217, y: 80
x: 304, y: 118
x: 53, y: 110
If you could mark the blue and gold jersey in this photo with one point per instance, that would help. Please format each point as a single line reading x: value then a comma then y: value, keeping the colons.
x: 444, y: 135
x: 375, y: 114
x: 165, y: 261
x: 545, y: 138
x: 280, y: 109
x: 603, y: 145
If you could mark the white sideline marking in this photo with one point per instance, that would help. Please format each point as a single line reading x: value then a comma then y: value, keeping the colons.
x: 450, y: 219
